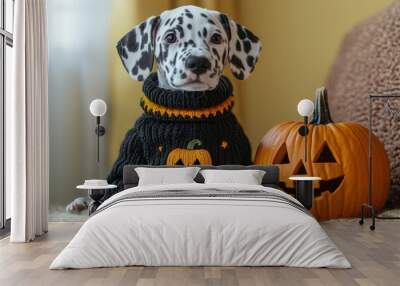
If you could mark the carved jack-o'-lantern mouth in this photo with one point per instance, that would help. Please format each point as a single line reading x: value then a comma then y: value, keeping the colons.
x: 324, y: 156
x: 330, y: 186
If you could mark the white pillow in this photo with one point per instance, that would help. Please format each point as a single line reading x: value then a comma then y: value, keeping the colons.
x: 248, y: 177
x: 165, y: 176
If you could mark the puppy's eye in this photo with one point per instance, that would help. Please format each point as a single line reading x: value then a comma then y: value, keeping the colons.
x: 216, y: 39
x: 170, y: 38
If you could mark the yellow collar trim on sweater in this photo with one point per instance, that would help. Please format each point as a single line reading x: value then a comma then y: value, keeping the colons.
x: 153, y: 107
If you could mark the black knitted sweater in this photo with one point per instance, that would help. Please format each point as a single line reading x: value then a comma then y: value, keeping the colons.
x: 186, y: 128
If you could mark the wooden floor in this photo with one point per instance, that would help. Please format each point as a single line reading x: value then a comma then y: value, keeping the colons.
x: 375, y: 257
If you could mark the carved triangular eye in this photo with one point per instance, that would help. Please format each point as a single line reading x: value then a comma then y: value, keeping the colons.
x: 325, y: 155
x: 300, y: 169
x: 179, y: 162
x: 282, y: 156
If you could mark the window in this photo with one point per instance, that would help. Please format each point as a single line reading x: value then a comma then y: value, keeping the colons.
x: 6, y: 44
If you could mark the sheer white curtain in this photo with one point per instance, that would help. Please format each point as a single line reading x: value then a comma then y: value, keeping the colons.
x: 27, y: 143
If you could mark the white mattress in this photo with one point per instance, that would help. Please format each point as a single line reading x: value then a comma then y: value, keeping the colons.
x: 191, y: 231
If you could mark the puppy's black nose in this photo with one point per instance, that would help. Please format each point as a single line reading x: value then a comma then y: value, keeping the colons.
x: 197, y: 65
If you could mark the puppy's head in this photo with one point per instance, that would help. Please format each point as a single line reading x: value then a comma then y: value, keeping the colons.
x: 191, y: 46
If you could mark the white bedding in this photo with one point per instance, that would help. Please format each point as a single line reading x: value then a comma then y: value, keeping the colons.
x: 185, y: 231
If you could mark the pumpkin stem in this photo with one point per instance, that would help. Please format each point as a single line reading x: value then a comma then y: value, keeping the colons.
x: 321, y: 114
x: 193, y: 143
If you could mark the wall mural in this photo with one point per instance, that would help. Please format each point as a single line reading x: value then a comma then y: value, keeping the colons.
x: 187, y: 103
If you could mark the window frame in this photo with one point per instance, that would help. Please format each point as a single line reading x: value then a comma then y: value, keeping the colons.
x: 6, y: 39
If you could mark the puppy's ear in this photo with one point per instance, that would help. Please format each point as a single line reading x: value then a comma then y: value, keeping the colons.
x: 244, y: 48
x: 136, y: 49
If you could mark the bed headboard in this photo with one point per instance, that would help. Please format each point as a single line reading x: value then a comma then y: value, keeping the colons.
x: 271, y: 177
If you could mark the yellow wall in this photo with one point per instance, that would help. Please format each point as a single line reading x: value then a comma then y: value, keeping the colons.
x: 300, y: 39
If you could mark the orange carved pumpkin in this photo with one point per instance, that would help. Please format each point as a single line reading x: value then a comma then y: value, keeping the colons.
x: 338, y: 153
x: 190, y: 155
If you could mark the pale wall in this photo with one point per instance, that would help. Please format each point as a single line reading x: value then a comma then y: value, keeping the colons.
x: 78, y: 73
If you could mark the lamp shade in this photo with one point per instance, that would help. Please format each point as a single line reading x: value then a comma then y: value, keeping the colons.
x: 305, y: 107
x: 98, y: 107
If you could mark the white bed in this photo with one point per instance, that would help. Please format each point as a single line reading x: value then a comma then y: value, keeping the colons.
x: 185, y: 230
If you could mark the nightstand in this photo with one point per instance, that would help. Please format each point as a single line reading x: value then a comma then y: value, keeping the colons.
x: 304, y: 189
x: 96, y: 192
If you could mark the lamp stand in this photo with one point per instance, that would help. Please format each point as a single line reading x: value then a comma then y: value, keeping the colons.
x: 303, y: 131
x: 100, y: 131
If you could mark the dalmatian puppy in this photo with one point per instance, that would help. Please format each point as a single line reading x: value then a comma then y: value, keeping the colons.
x: 191, y: 46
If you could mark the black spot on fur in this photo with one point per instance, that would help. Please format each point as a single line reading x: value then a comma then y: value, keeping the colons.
x: 204, y: 32
x: 251, y: 36
x: 161, y: 55
x: 238, y: 46
x: 142, y: 27
x: 146, y: 60
x: 239, y: 75
x: 180, y: 30
x: 211, y: 22
x: 206, y: 45
x: 135, y: 70
x: 224, y: 56
x: 183, y: 76
x: 132, y: 44
x: 247, y: 46
x: 237, y: 62
x: 189, y: 15
x: 215, y: 52
x: 204, y: 15
x: 144, y: 40
x: 225, y: 24
x: 240, y: 31
x: 191, y: 42
x: 180, y: 20
x: 250, y: 61
x: 189, y: 26
x: 140, y: 77
x: 174, y: 60
x: 121, y: 51
x: 199, y: 33
x: 164, y: 53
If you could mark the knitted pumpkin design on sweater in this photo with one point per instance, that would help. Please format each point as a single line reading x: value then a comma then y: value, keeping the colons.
x: 183, y: 128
